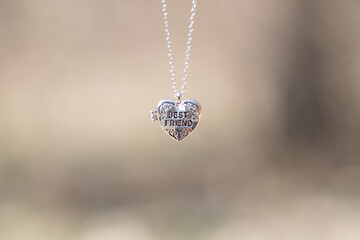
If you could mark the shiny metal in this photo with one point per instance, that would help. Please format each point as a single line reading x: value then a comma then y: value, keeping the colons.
x: 178, y: 95
x: 153, y: 116
x: 170, y: 51
x: 178, y: 120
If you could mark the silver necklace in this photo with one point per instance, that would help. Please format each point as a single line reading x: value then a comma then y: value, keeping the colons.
x: 176, y: 117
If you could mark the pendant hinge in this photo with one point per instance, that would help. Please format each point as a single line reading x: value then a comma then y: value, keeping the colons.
x: 153, y: 116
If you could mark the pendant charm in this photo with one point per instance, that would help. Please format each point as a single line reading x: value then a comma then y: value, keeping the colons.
x: 178, y: 119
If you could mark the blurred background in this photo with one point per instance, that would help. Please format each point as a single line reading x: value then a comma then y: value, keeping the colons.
x: 275, y: 156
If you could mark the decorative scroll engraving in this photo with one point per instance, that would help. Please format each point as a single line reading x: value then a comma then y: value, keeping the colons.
x: 178, y: 119
x: 167, y: 104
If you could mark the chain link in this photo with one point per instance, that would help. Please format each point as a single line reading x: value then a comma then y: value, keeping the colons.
x: 178, y: 93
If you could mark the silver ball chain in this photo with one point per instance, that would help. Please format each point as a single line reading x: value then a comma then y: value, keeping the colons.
x: 179, y: 93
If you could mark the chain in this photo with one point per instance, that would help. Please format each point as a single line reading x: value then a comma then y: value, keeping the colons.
x: 179, y: 93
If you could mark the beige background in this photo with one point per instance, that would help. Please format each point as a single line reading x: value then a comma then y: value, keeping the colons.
x: 275, y: 156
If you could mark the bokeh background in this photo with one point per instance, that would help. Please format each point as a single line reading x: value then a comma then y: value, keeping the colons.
x: 275, y: 156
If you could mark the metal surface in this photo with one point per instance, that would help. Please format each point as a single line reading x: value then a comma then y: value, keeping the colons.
x: 177, y: 119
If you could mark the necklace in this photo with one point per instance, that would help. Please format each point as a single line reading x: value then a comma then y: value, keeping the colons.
x: 176, y: 117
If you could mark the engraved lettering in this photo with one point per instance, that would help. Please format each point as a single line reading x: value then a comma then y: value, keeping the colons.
x: 171, y: 114
x: 178, y: 123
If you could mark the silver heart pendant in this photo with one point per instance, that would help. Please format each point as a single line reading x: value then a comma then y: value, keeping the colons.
x: 178, y: 119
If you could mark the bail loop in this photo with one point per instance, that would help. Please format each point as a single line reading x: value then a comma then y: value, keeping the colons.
x: 178, y: 95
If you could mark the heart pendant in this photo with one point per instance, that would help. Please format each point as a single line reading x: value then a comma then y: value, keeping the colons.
x: 178, y: 119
